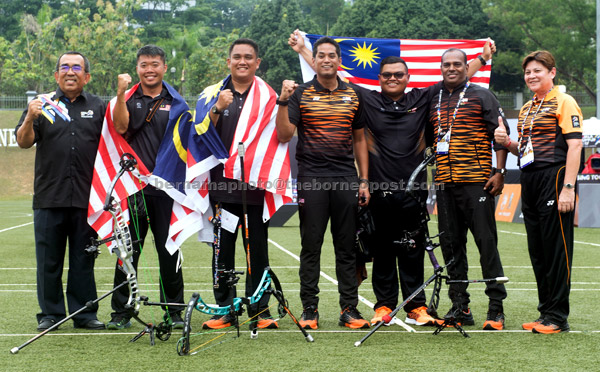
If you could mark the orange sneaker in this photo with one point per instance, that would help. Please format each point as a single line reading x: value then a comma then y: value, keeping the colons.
x: 310, y: 318
x: 266, y: 321
x: 529, y: 326
x: 547, y: 327
x: 421, y: 317
x: 351, y: 318
x: 218, y: 322
x: 380, y: 312
x: 494, y: 322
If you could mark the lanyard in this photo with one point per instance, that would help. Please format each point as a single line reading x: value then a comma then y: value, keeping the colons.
x: 532, y: 119
x: 439, y: 109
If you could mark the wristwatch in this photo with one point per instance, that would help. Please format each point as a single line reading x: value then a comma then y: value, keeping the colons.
x: 482, y: 60
x: 502, y: 171
x: 569, y: 186
x: 215, y: 110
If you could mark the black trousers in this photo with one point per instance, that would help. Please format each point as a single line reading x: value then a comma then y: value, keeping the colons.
x: 259, y: 255
x: 395, y: 214
x: 170, y: 280
x: 53, y: 227
x: 463, y: 207
x: 325, y: 198
x: 549, y: 239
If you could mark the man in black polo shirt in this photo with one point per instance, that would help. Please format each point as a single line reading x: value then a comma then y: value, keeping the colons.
x: 226, y: 194
x: 142, y: 120
x: 66, y: 126
x: 325, y: 111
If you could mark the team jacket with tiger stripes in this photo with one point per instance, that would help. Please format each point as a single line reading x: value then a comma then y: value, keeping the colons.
x: 325, y: 120
x: 469, y: 158
x: 557, y: 120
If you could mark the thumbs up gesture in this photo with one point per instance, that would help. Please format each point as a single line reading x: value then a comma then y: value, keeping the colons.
x: 500, y: 135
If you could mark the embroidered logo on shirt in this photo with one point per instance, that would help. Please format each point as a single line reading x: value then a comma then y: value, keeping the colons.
x: 89, y: 114
x: 575, y: 120
x: 346, y: 99
x: 138, y: 105
x: 164, y: 107
x: 316, y: 98
x: 412, y: 110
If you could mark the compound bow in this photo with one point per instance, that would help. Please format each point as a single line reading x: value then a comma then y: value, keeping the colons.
x: 235, y: 309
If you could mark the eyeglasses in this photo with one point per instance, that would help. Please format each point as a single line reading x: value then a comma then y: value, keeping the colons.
x: 388, y: 75
x: 65, y: 68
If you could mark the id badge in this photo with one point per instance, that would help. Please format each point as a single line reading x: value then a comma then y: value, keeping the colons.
x: 526, y: 155
x: 229, y: 221
x: 443, y: 144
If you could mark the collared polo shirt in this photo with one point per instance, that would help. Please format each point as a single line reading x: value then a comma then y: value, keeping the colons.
x: 325, y: 120
x: 148, y: 119
x: 65, y: 152
x: 469, y: 158
x: 558, y: 119
x: 225, y: 189
x: 397, y: 134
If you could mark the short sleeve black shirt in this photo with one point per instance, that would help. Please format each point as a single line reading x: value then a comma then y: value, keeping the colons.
x: 148, y: 119
x: 397, y: 134
x: 65, y: 152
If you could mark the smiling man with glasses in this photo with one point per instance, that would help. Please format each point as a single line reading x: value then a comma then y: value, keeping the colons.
x: 65, y: 125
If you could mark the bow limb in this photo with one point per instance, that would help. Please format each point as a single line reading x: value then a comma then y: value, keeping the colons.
x: 124, y: 247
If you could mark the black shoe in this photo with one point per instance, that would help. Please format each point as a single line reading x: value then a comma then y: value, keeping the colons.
x: 350, y: 317
x: 93, y: 324
x: 176, y: 320
x: 44, y: 324
x: 119, y: 322
x: 310, y: 317
x: 462, y: 317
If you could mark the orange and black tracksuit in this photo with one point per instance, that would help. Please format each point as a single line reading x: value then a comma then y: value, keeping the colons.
x: 461, y: 175
x: 327, y: 183
x: 549, y: 233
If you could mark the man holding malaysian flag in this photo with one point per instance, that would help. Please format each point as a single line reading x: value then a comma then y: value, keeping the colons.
x: 396, y: 121
x: 242, y: 107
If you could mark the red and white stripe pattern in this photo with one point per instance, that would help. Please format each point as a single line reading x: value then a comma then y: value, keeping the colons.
x: 112, y: 146
x: 423, y: 58
x: 266, y: 160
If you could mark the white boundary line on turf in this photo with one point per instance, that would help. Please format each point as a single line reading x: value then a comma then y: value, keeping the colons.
x: 361, y: 298
x: 16, y: 227
x: 524, y: 234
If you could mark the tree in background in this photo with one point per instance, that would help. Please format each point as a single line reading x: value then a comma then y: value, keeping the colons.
x: 271, y: 25
x: 106, y: 39
x: 33, y: 53
x: 566, y: 28
x: 324, y: 13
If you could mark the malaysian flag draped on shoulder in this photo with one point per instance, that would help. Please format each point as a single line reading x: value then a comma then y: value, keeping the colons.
x: 112, y: 145
x: 266, y: 160
x: 182, y: 148
x: 186, y: 154
x: 361, y: 58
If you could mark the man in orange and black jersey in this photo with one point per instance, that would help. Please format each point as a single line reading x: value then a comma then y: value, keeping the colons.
x: 464, y: 117
x: 325, y: 112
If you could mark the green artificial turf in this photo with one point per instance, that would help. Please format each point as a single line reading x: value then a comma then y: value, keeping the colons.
x: 391, y: 348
